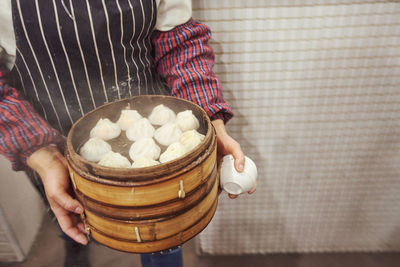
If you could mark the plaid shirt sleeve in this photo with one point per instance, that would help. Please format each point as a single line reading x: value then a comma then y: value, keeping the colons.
x: 184, y: 58
x: 22, y: 130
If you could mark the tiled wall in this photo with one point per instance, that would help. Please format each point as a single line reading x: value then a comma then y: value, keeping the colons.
x: 315, y: 86
x: 7, y: 250
x: 21, y: 213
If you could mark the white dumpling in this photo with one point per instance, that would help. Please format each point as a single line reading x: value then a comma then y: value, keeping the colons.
x: 187, y: 121
x: 140, y: 129
x: 162, y: 115
x: 105, y: 129
x: 144, y: 162
x: 116, y: 160
x: 145, y: 147
x: 94, y: 149
x: 173, y: 151
x: 191, y: 139
x: 167, y: 134
x: 127, y: 118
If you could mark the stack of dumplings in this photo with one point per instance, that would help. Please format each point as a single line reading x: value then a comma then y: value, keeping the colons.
x: 162, y: 137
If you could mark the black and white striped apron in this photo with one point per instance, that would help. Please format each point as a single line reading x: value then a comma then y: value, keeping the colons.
x: 76, y: 55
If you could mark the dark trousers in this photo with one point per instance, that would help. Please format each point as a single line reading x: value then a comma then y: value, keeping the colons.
x: 167, y: 258
x: 77, y: 255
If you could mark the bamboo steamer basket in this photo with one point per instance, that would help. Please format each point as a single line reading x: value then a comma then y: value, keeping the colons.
x: 147, y: 209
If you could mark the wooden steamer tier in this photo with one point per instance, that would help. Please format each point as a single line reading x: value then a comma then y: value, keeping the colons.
x: 147, y: 209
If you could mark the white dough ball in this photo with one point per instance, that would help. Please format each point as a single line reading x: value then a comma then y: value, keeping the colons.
x: 167, y: 134
x: 191, y: 139
x: 94, y: 149
x: 187, y: 121
x: 127, y: 118
x: 144, y: 162
x: 145, y: 147
x: 140, y: 129
x: 162, y: 115
x: 116, y: 160
x: 105, y: 129
x: 175, y: 150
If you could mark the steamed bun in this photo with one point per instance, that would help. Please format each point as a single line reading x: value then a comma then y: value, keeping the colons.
x: 105, y: 129
x: 144, y: 162
x: 175, y: 150
x: 127, y: 118
x: 116, y: 160
x: 162, y: 115
x: 191, y: 139
x: 94, y: 149
x: 145, y: 147
x: 167, y: 134
x: 187, y: 121
x: 140, y: 129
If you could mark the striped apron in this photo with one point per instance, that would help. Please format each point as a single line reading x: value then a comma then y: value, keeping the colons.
x: 76, y: 55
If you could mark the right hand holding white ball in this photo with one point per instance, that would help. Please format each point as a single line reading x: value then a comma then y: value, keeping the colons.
x: 234, y: 182
x: 227, y: 145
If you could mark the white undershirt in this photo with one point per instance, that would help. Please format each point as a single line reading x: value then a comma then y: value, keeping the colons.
x: 170, y: 13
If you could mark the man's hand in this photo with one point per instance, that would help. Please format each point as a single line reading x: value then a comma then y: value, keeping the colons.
x: 227, y: 145
x: 52, y: 168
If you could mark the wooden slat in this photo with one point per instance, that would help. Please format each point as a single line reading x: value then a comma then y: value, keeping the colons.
x: 148, y: 247
x: 155, y: 229
x: 168, y: 208
x: 145, y: 195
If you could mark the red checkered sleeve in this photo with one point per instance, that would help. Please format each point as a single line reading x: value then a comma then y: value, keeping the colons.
x: 184, y: 58
x: 22, y: 130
